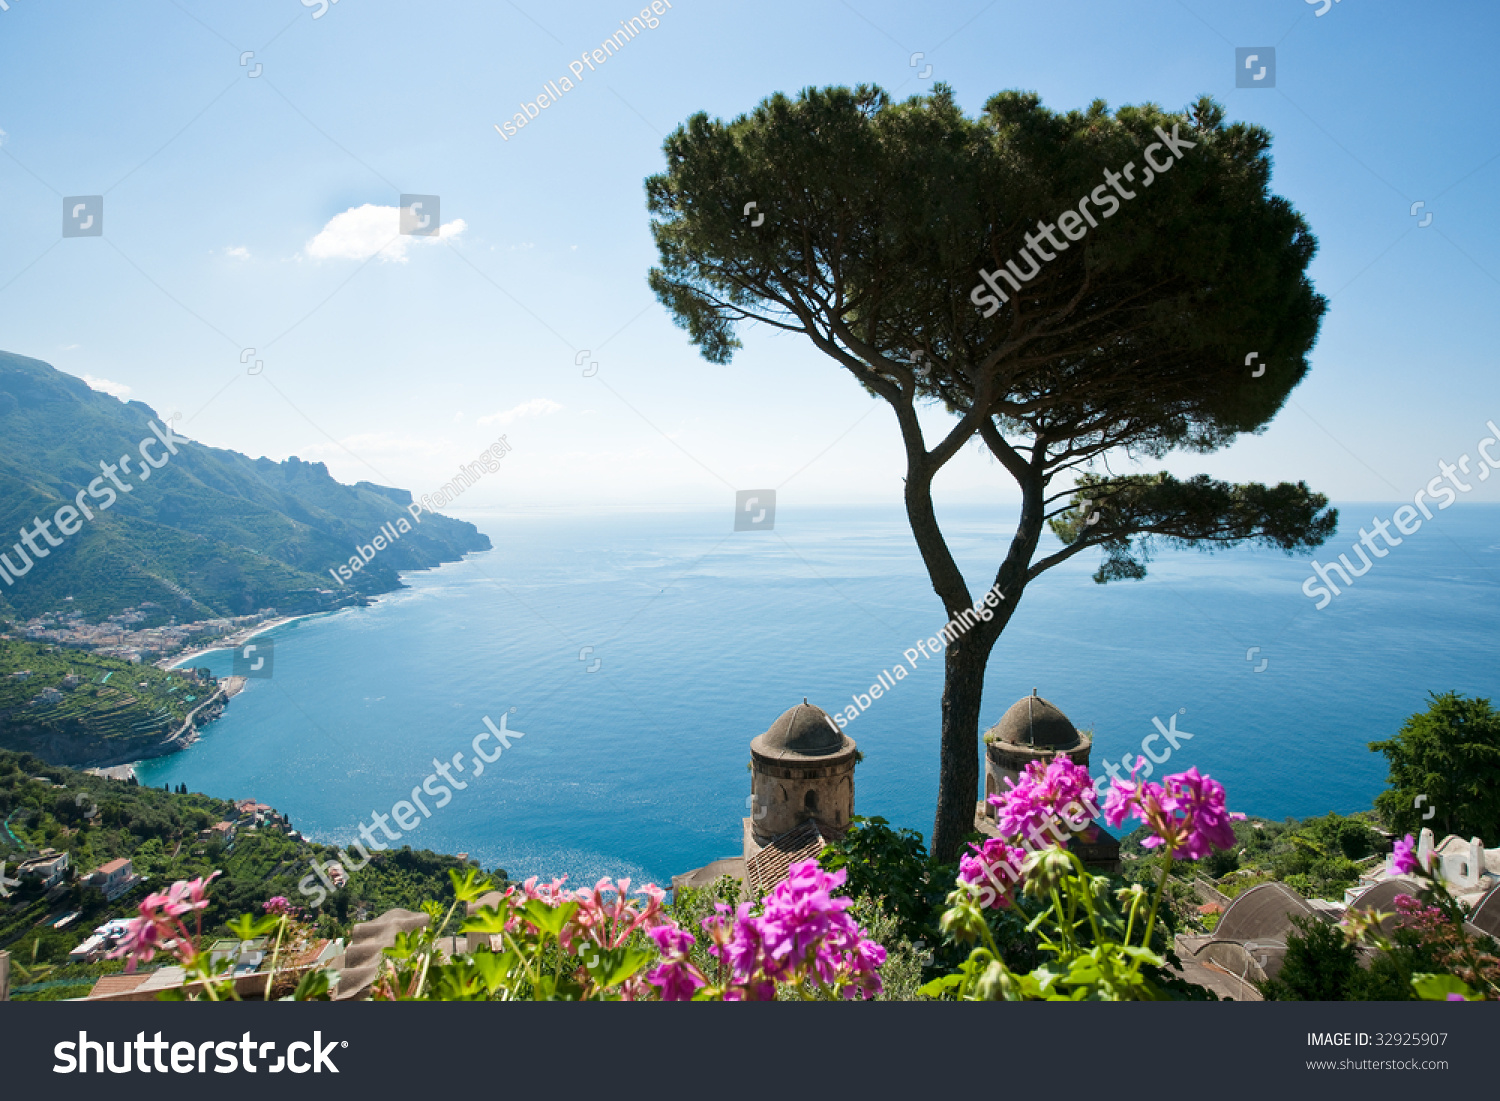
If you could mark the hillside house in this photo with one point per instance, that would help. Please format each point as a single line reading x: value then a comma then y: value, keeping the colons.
x: 114, y: 878
x: 49, y: 868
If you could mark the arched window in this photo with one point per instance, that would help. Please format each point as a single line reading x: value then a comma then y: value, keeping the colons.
x: 810, y: 801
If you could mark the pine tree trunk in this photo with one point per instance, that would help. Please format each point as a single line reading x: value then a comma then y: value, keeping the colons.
x: 958, y: 781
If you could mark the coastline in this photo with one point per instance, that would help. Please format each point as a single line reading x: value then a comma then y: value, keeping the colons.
x: 230, y: 642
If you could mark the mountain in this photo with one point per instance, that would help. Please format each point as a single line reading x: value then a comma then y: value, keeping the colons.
x: 207, y: 532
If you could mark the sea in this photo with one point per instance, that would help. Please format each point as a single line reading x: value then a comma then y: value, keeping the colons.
x: 631, y: 657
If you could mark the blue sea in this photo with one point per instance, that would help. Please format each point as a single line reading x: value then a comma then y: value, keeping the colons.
x: 638, y: 655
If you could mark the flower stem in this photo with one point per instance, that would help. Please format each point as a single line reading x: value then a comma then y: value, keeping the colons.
x: 275, y: 953
x: 1161, y: 888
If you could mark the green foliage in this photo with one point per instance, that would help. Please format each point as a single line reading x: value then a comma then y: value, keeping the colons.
x: 158, y: 832
x: 890, y: 867
x: 1316, y: 857
x: 531, y: 964
x: 1441, y: 988
x: 1450, y: 755
x: 905, y: 961
x: 1390, y: 974
x: 1321, y: 965
x: 1100, y: 942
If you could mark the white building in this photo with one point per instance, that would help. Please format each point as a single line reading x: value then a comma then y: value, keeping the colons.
x: 1469, y: 869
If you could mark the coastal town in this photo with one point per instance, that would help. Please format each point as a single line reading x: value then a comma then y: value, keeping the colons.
x: 136, y: 635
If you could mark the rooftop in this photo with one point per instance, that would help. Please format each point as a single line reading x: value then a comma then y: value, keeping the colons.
x: 1033, y: 721
x: 803, y: 731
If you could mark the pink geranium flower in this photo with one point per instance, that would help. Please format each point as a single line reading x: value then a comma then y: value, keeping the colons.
x: 995, y: 864
x: 139, y: 944
x: 160, y: 926
x: 1404, y: 858
x: 803, y: 932
x: 1058, y: 792
x: 1186, y: 813
x: 675, y: 976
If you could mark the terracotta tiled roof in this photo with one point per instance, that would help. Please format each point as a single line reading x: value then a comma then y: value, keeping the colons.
x: 769, y: 866
x: 118, y: 984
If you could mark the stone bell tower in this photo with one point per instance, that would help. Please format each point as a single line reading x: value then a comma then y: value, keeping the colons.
x: 801, y: 769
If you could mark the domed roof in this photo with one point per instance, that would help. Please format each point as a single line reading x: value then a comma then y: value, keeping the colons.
x: 803, y: 731
x: 1032, y: 721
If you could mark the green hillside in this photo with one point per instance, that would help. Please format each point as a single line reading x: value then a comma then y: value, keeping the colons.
x: 105, y: 711
x: 210, y: 533
x: 95, y: 820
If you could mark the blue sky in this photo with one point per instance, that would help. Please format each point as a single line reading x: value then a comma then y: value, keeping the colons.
x: 240, y: 213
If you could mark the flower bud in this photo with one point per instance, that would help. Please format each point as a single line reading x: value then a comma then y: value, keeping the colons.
x: 995, y: 985
x: 1045, y: 871
x: 963, y: 920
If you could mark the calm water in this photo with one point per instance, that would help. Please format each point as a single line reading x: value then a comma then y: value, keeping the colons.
x: 702, y: 638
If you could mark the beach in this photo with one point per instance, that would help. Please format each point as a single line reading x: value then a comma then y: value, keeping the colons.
x: 231, y: 641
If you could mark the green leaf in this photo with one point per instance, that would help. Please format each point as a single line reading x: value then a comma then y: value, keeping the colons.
x: 1436, y: 988
x: 471, y: 886
x: 549, y: 920
x: 939, y: 986
x: 495, y: 969
x: 488, y: 920
x: 248, y: 927
x: 609, y: 967
x: 314, y: 986
x: 406, y: 945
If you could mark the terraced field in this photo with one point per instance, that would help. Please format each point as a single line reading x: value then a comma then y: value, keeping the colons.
x: 99, y: 709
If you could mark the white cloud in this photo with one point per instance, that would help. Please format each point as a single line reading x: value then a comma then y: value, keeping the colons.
x: 238, y: 252
x: 363, y: 231
x: 103, y: 385
x: 538, y: 407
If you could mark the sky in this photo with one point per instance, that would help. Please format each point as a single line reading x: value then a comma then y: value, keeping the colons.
x: 252, y: 155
